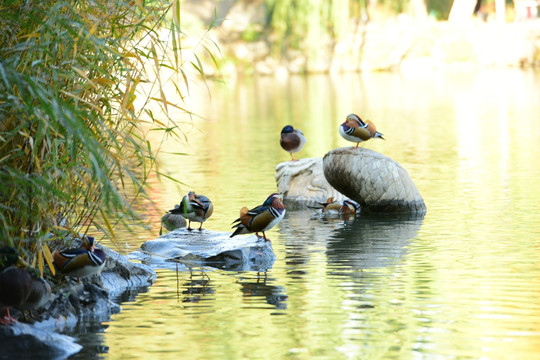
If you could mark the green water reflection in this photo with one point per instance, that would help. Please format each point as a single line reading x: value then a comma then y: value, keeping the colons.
x: 461, y: 282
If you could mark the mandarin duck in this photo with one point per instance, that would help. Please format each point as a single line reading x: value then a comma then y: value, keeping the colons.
x: 261, y: 218
x: 356, y: 130
x: 80, y: 262
x: 193, y: 207
x: 40, y: 293
x: 292, y: 140
x: 335, y: 207
x: 15, y: 286
x: 21, y: 288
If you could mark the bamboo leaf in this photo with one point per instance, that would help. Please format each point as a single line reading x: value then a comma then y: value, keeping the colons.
x: 49, y: 258
x: 83, y: 75
x: 186, y: 82
x: 107, y: 224
x: 159, y: 173
x: 40, y: 262
x: 156, y: 64
x: 175, y: 153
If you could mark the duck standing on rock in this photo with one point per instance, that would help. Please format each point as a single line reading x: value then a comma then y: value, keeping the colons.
x: 84, y: 261
x: 193, y: 207
x: 356, y: 130
x: 261, y: 218
x: 292, y: 140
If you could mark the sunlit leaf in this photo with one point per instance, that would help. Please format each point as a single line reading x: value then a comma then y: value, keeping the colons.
x: 170, y: 178
x: 49, y: 258
x: 40, y: 262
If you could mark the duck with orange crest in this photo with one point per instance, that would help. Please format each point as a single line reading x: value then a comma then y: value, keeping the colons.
x: 345, y: 207
x: 261, y: 218
x: 356, y: 130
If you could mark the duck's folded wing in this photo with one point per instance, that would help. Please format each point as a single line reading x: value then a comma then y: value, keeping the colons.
x: 261, y: 220
x: 361, y: 133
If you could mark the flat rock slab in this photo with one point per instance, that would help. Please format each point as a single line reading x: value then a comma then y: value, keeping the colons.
x: 303, y: 184
x: 186, y: 249
x: 378, y: 183
x: 120, y: 275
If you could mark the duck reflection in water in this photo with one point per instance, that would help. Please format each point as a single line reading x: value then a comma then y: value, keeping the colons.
x: 273, y: 294
x: 373, y: 241
x: 195, y: 288
x: 351, y: 245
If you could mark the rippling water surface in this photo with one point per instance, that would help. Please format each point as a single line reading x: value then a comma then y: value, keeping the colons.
x: 461, y: 282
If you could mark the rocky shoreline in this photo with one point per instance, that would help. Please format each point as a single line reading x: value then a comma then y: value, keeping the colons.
x: 95, y: 298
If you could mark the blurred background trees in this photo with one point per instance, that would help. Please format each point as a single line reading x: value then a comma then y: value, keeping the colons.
x: 301, y: 36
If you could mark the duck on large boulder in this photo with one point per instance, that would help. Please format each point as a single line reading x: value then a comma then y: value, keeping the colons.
x: 378, y: 183
x: 303, y: 184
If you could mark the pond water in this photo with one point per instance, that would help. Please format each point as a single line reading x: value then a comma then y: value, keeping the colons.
x: 461, y: 282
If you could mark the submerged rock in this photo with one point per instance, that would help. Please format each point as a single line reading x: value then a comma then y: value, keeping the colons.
x: 303, y: 184
x: 378, y: 183
x: 208, y: 248
x: 23, y: 341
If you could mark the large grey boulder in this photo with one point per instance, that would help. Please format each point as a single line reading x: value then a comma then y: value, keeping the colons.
x: 184, y: 249
x: 378, y: 183
x: 302, y: 183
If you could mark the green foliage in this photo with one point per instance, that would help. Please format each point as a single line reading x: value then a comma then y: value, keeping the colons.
x: 73, y: 150
x: 309, y: 25
x: 251, y: 34
x: 440, y: 9
x: 301, y: 23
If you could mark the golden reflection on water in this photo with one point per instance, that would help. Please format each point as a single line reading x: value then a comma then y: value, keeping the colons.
x: 462, y: 282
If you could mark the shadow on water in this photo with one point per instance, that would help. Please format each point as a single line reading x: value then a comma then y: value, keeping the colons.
x: 195, y: 288
x: 367, y: 241
x: 89, y: 331
x: 259, y: 287
x: 372, y: 241
x: 90, y: 335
